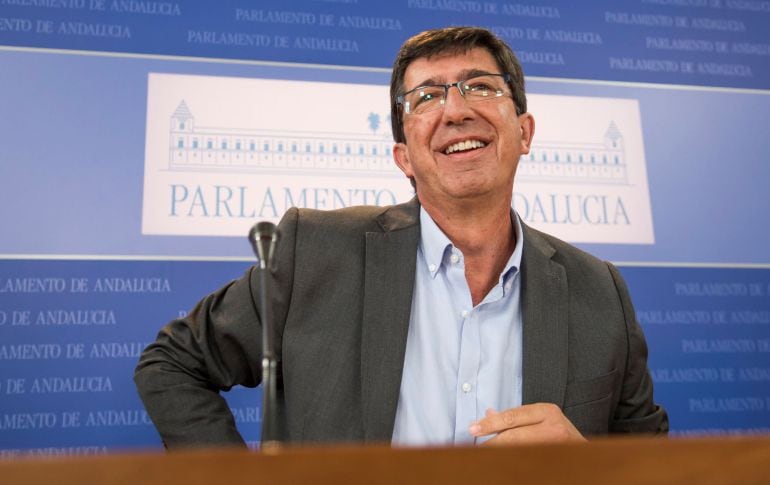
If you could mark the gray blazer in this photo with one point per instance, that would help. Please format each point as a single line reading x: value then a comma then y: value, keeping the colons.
x: 343, y: 284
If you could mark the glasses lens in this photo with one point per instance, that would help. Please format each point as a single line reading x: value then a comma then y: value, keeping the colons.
x: 483, y: 87
x: 424, y: 99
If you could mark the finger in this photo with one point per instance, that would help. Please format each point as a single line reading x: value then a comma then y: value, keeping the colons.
x: 510, y: 418
x: 529, y: 434
x: 474, y: 426
x: 512, y: 436
x: 545, y: 432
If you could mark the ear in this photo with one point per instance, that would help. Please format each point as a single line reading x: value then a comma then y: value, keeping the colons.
x: 401, y: 157
x: 527, y: 127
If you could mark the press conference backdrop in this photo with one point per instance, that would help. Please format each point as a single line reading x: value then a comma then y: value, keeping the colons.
x: 139, y: 140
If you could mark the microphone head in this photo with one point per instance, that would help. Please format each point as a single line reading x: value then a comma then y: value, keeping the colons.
x: 263, y: 236
x: 265, y: 229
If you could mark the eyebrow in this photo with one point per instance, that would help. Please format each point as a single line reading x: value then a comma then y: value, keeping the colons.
x: 440, y: 81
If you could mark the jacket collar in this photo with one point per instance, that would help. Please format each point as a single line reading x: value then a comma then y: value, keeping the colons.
x: 388, y: 286
x: 545, y: 310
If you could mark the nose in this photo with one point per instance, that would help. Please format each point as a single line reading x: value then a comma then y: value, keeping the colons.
x: 456, y: 107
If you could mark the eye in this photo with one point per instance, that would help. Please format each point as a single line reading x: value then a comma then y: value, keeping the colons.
x: 480, y: 85
x: 477, y: 86
x: 427, y: 95
x: 430, y: 93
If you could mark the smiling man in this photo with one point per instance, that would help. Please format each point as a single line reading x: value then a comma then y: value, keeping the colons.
x: 444, y: 320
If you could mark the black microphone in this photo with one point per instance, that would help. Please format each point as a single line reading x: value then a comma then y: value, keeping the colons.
x: 263, y: 237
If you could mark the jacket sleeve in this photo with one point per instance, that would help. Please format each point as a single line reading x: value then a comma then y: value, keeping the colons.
x: 636, y: 411
x: 218, y: 345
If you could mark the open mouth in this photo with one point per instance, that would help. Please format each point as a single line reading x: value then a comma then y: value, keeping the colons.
x: 464, y: 146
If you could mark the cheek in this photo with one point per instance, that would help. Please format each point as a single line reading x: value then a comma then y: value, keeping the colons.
x: 508, y: 127
x: 510, y: 138
x: 418, y: 132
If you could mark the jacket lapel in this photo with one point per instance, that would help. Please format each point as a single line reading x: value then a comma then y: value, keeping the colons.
x: 545, y: 314
x: 388, y: 287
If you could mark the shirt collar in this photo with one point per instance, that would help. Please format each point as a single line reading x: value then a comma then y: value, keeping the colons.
x: 434, y: 244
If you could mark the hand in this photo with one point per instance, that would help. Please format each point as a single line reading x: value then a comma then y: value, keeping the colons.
x: 531, y: 423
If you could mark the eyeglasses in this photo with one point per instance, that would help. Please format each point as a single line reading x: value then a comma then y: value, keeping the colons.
x: 483, y: 87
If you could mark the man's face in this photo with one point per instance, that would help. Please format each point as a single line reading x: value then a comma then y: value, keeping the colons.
x: 446, y: 172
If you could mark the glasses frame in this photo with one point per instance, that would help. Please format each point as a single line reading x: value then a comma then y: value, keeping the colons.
x: 401, y: 99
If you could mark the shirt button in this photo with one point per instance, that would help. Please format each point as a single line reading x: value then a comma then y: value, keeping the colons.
x: 467, y: 387
x: 464, y: 313
x: 507, y: 286
x: 431, y: 268
x: 454, y: 258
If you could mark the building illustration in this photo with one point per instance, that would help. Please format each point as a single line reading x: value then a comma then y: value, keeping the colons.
x: 600, y: 162
x: 205, y: 148
x: 368, y: 153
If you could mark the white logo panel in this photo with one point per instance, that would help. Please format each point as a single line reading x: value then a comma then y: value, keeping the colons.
x: 223, y: 152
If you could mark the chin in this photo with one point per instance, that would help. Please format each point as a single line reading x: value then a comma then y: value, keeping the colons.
x: 467, y: 191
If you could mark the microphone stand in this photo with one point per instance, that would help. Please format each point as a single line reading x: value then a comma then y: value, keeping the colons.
x: 263, y: 237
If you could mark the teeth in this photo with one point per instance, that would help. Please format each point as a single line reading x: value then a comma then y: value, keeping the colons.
x: 464, y: 145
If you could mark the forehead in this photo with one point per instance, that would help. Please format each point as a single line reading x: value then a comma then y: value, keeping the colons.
x: 449, y: 67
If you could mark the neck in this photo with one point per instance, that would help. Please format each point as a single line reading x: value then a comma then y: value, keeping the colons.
x: 485, y: 236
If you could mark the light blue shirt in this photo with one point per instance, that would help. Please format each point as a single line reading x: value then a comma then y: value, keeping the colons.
x: 460, y: 360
